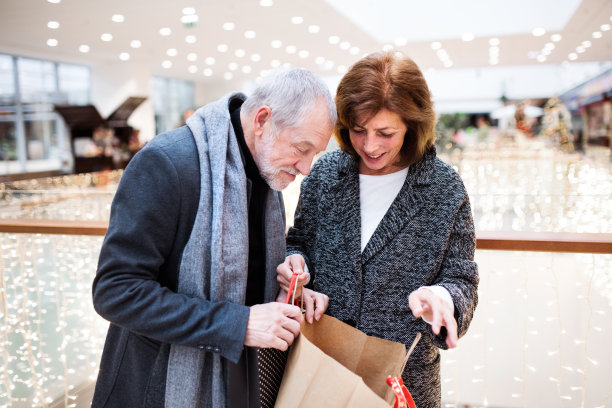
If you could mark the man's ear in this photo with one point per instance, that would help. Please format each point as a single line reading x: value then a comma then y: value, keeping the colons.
x: 262, y: 116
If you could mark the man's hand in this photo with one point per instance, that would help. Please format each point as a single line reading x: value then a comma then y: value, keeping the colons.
x: 273, y: 325
x: 424, y: 303
x: 293, y: 264
x: 315, y: 304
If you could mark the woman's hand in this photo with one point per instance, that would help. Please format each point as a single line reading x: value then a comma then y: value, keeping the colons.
x: 315, y: 304
x: 424, y: 303
x: 293, y: 264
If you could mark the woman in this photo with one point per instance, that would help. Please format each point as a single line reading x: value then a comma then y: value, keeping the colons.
x: 384, y: 227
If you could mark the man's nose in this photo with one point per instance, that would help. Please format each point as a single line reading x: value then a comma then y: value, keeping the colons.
x: 303, y: 165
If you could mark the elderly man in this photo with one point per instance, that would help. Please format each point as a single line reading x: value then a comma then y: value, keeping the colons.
x: 187, y: 271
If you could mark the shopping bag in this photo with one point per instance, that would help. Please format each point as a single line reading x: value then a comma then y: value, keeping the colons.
x: 332, y: 364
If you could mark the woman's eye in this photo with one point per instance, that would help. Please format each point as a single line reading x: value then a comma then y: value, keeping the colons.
x: 386, y: 135
x: 358, y: 131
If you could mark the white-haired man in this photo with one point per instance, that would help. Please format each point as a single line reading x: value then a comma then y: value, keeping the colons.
x: 187, y: 271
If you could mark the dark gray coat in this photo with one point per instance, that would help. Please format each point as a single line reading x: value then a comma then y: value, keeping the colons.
x: 426, y: 238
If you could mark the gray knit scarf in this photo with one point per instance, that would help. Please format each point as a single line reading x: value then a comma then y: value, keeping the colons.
x: 215, y: 259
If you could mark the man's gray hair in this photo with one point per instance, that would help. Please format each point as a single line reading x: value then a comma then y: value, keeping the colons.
x: 290, y: 94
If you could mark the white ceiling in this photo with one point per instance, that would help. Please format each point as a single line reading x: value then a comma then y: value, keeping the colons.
x: 360, y: 26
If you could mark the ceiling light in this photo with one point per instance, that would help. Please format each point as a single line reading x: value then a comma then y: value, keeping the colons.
x: 345, y: 45
x: 387, y: 47
x: 448, y: 63
x: 291, y: 49
x: 124, y: 56
x: 250, y: 34
x: 255, y: 57
x: 190, y: 19
x: 229, y: 26
x: 555, y: 37
x: 533, y: 54
x: 275, y: 63
x: 436, y: 45
x: 341, y: 69
x: 276, y: 43
x: 54, y: 1
x: 297, y: 20
x: 467, y: 37
x: 193, y: 69
x: 597, y: 34
x: 320, y: 60
x: 494, y: 41
x: 328, y: 65
x: 264, y: 72
x: 586, y: 44
x: 303, y: 54
x: 538, y: 32
x: 285, y: 65
x: 84, y: 48
x: 54, y: 25
x: 354, y: 50
x: 580, y: 49
x: 572, y: 56
x: 188, y: 11
x: 106, y: 37
x: 334, y: 39
x: 172, y: 52
x: 118, y: 18
x: 239, y: 53
x: 192, y: 56
x: 228, y: 76
x: 222, y: 47
x: 167, y: 64
x: 442, y: 54
x: 135, y: 44
x: 605, y: 27
x: 313, y: 29
x: 266, y: 3
x: 246, y: 69
x: 209, y: 60
x: 494, y: 51
x: 165, y: 31
x: 52, y: 42
x: 232, y: 66
x: 190, y: 39
x: 207, y: 72
x: 401, y: 41
x: 545, y: 51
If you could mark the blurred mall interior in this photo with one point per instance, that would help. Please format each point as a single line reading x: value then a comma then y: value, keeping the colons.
x: 523, y: 93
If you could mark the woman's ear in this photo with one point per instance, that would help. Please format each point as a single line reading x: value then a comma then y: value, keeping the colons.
x: 262, y: 116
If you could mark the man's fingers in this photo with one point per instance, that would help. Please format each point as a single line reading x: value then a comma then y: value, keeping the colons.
x: 451, y: 329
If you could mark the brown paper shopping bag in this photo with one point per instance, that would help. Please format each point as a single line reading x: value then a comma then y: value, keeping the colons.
x: 332, y: 364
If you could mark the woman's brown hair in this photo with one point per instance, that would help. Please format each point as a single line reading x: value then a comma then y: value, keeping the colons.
x: 386, y: 81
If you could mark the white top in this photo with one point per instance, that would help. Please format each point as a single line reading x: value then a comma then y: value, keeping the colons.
x: 376, y: 194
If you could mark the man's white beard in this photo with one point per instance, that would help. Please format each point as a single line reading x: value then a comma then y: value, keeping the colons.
x: 267, y: 170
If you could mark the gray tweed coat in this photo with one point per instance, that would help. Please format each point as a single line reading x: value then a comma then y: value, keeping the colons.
x: 426, y: 238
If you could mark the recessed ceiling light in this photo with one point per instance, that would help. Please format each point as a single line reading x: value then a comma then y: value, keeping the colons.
x: 228, y: 76
x: 135, y: 44
x: 448, y: 63
x: 54, y: 25
x: 354, y: 50
x: 303, y: 54
x: 106, y: 37
x: 210, y: 60
x: 467, y: 36
x: 246, y: 69
x: 285, y: 65
x: 320, y: 60
x: 118, y: 18
x: 266, y: 3
x: 54, y: 1
x: 387, y: 47
x: 297, y: 20
x: 250, y: 34
x: 239, y: 53
x: 580, y: 49
x: 401, y: 41
x: 291, y: 49
x: 555, y: 37
x: 207, y: 72
x: 436, y: 45
x: 189, y: 19
x: 597, y: 34
x: 193, y: 69
x: 276, y: 43
x: 232, y: 66
x: 494, y: 41
x: 334, y: 39
x: 124, y: 56
x: 341, y: 69
x: 345, y: 45
x: 255, y: 57
x: 329, y: 64
x: 165, y: 31
x: 171, y: 52
x: 442, y: 54
x: 84, y: 48
x: 572, y: 56
x: 538, y: 32
x: 190, y: 39
x: 229, y: 26
x: 545, y: 51
x: 549, y: 46
x: 188, y: 11
x: 586, y: 44
x: 605, y: 27
x: 52, y: 42
x: 192, y: 56
x: 494, y: 51
x: 222, y: 47
x: 167, y: 64
x: 313, y: 29
x: 275, y: 63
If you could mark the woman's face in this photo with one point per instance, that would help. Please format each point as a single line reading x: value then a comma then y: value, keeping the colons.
x: 378, y: 143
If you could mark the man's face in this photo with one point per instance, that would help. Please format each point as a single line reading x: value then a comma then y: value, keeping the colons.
x: 282, y: 157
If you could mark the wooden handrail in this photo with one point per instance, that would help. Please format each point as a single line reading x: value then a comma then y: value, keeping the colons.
x: 491, y: 240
